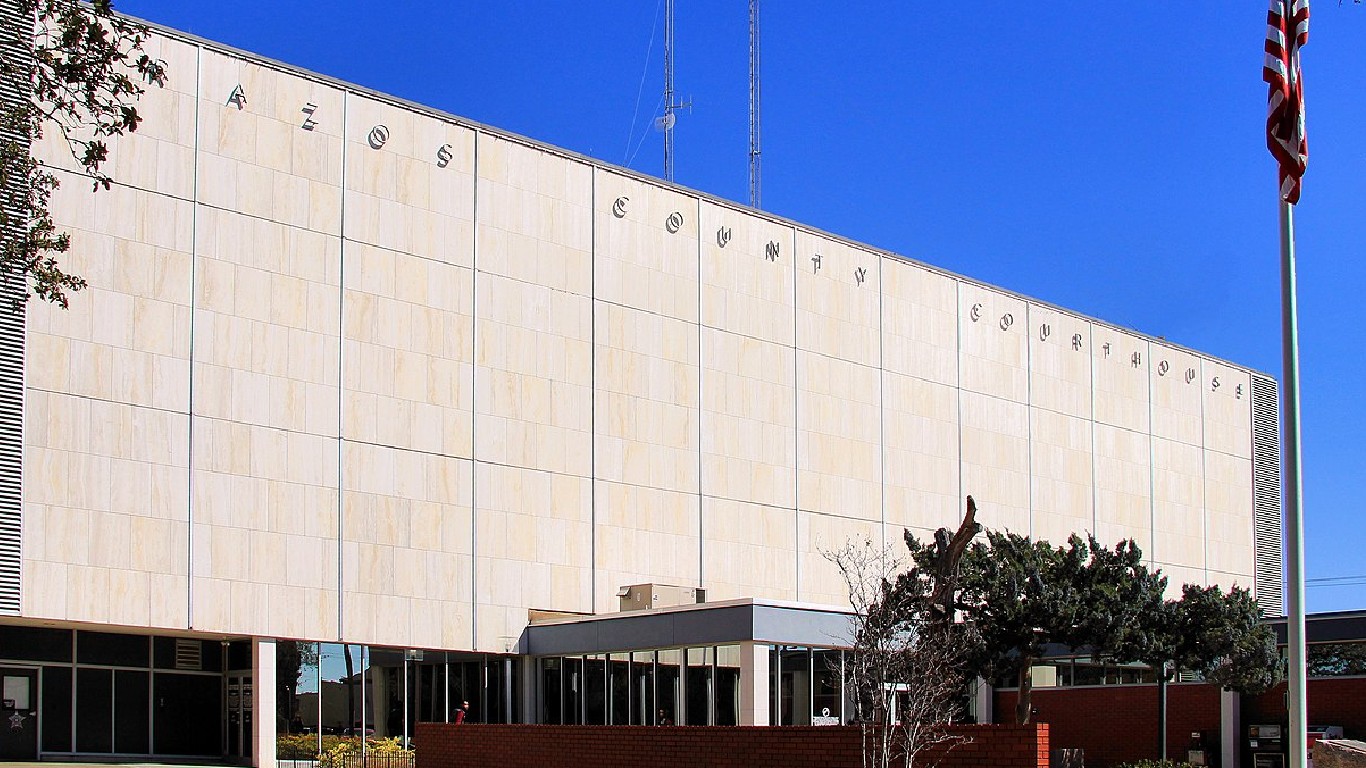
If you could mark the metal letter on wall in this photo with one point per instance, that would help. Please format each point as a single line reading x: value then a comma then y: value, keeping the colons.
x: 860, y: 275
x: 308, y: 110
x: 771, y: 250
x: 1136, y: 359
x: 1007, y: 320
x: 619, y: 206
x: 1076, y: 341
x: 1045, y: 330
x: 816, y: 263
x: 722, y: 236
x: 674, y: 222
x: 976, y: 312
x: 238, y: 97
x: 1190, y: 375
x: 379, y: 136
x: 1163, y: 367
x: 443, y: 155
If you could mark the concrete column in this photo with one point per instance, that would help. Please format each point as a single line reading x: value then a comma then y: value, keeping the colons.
x: 982, y: 699
x: 1230, y: 727
x: 531, y: 711
x: 754, y: 694
x: 263, y: 690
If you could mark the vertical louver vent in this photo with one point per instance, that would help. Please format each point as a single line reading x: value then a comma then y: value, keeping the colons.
x: 1266, y: 494
x: 15, y: 47
x: 189, y: 655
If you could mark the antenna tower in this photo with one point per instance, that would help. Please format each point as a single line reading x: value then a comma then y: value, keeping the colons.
x: 669, y: 105
x: 754, y: 169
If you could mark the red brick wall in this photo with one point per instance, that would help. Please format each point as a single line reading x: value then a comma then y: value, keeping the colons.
x: 570, y: 746
x: 1336, y: 701
x: 1117, y: 724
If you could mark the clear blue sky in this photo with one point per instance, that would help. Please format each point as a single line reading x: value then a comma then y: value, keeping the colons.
x: 1107, y: 157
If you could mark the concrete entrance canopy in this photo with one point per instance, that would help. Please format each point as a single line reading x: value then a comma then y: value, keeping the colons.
x: 724, y: 622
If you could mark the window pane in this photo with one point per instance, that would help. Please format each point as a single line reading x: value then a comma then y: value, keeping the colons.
x: 187, y: 714
x: 112, y: 649
x: 572, y: 684
x: 595, y: 689
x: 56, y: 711
x: 728, y: 685
x: 35, y: 644
x: 827, y: 693
x: 131, y: 690
x: 94, y: 710
x: 619, y: 678
x: 699, y: 685
x: 552, y: 707
x: 643, y: 688
x: 795, y: 682
x: 669, y: 686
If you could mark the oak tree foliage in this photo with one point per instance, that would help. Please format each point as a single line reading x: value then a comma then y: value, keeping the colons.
x: 87, y: 69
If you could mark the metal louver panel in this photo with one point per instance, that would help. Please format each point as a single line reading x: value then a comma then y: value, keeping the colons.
x: 189, y: 654
x: 15, y: 46
x: 1266, y: 494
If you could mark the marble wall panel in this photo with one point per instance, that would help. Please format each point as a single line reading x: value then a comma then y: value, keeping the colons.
x: 159, y: 155
x: 126, y: 337
x: 995, y: 469
x: 1227, y: 409
x: 643, y: 536
x: 1062, y: 500
x: 534, y: 540
x: 749, y: 268
x: 647, y: 400
x: 534, y: 376
x: 839, y: 456
x: 919, y: 322
x: 838, y: 303
x: 994, y: 343
x: 1230, y: 543
x: 1059, y: 362
x: 1176, y: 385
x: 748, y: 550
x: 399, y: 196
x: 818, y: 580
x: 407, y: 547
x: 535, y: 216
x: 920, y: 428
x: 749, y: 438
x: 277, y: 153
x: 1120, y: 363
x: 266, y: 323
x: 1178, y: 505
x: 264, y: 530
x: 638, y: 261
x: 1124, y: 486
x: 104, y: 511
x: 407, y: 368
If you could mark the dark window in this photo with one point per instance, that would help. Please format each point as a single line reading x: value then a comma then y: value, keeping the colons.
x: 56, y: 712
x: 130, y: 712
x: 112, y: 649
x: 595, y: 690
x: 573, y: 690
x: 35, y: 644
x: 239, y: 655
x: 94, y: 710
x: 188, y: 714
x: 551, y: 692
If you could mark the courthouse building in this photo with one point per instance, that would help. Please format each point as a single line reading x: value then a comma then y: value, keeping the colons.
x: 370, y: 410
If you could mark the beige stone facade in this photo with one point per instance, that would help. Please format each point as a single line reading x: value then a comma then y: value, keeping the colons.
x: 351, y: 369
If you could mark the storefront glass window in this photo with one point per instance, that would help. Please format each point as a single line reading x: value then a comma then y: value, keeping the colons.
x: 699, y: 685
x: 727, y: 700
x: 669, y: 686
x: 595, y: 689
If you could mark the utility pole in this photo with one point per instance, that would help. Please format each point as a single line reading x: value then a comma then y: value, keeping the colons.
x: 754, y: 169
x: 669, y: 105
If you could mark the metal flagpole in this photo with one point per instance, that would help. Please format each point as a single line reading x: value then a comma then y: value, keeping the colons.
x: 1294, y: 522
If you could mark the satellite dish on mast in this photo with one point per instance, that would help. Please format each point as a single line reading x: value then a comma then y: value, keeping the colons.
x: 665, y: 122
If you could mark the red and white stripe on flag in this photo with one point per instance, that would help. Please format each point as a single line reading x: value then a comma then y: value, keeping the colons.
x: 1287, y: 29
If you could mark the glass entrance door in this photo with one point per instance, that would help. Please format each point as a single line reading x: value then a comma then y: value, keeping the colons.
x: 18, y: 714
x: 239, y: 716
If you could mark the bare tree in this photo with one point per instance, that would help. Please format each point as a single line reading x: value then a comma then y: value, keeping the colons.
x: 905, y: 668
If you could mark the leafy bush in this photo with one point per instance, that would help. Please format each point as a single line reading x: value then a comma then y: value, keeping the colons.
x: 337, y: 751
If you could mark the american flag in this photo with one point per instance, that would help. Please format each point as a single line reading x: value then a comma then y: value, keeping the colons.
x: 1287, y: 28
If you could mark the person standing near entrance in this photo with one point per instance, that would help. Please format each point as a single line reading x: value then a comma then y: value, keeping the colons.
x: 461, y: 713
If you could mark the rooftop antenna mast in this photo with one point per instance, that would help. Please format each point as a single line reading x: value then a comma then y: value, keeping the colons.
x: 666, y: 123
x: 754, y: 168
